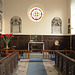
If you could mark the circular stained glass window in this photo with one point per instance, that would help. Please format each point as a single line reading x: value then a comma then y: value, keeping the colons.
x: 36, y: 14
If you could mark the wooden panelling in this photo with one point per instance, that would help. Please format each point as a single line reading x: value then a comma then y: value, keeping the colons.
x: 9, y: 63
x: 21, y: 42
x: 64, y: 62
x: 63, y: 42
x: 73, y: 42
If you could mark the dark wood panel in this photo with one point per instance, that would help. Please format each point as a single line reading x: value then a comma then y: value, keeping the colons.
x: 21, y: 41
x: 63, y: 41
x: 73, y: 42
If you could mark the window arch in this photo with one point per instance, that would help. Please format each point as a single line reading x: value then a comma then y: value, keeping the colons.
x: 0, y: 22
x: 16, y: 24
x: 1, y: 6
x: 56, y: 25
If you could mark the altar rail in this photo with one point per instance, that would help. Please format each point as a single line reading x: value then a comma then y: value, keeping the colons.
x: 64, y: 63
x: 21, y: 53
x: 9, y: 63
x: 48, y: 54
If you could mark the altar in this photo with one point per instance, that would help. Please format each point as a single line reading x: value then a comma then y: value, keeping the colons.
x: 36, y: 43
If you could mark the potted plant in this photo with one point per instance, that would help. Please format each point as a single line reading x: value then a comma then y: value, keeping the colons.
x: 6, y: 38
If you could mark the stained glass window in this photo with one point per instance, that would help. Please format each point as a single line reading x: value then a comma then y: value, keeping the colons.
x: 36, y: 14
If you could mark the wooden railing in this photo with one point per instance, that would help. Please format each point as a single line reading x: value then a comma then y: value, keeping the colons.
x: 21, y: 53
x: 48, y: 54
x: 8, y: 64
x: 64, y: 63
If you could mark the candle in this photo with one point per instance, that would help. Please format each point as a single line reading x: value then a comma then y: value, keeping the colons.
x: 36, y: 36
x: 30, y: 37
x: 42, y: 37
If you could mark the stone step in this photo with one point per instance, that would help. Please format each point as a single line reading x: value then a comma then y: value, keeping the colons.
x: 34, y: 54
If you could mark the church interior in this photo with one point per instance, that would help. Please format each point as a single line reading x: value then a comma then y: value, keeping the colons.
x: 37, y: 37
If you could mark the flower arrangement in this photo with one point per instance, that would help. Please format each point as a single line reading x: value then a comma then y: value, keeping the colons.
x: 6, y: 38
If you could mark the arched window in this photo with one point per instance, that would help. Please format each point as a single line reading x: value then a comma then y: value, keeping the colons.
x: 16, y: 24
x: 0, y: 23
x: 0, y: 5
x: 56, y: 26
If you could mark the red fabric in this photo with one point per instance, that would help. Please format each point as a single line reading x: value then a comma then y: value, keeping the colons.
x: 66, y: 49
x: 9, y: 53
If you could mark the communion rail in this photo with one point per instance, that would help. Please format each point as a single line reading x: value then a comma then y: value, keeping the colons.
x: 23, y: 54
x: 9, y: 63
x: 65, y: 63
x: 48, y: 54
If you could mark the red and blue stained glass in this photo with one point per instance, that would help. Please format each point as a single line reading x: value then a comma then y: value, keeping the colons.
x: 36, y: 14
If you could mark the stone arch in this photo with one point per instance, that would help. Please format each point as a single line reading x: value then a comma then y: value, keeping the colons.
x: 56, y: 26
x: 16, y: 24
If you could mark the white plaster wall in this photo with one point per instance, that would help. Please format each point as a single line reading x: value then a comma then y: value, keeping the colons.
x: 73, y: 16
x: 52, y: 8
x: 69, y: 9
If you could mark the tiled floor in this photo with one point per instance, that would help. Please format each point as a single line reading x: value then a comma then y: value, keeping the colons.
x: 50, y: 69
x: 23, y: 66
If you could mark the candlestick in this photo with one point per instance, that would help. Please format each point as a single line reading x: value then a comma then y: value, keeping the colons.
x: 36, y: 36
x: 30, y: 37
x: 42, y: 37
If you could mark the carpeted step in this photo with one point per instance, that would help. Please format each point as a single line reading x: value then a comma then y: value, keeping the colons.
x: 36, y: 59
x: 36, y: 68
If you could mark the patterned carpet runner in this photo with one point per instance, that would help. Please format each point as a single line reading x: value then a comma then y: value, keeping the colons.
x: 36, y: 66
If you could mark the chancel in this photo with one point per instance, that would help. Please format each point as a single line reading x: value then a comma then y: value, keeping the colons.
x: 37, y: 37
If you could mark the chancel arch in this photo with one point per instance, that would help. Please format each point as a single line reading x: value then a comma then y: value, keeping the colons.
x: 16, y: 24
x: 56, y: 26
